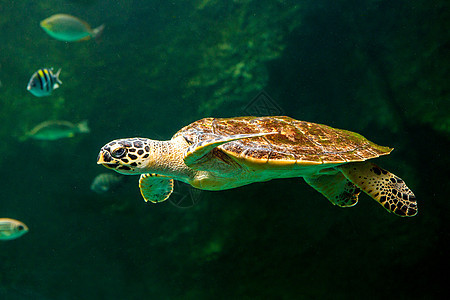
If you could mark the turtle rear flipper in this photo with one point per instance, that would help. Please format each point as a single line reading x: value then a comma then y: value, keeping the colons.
x: 386, y: 188
x: 336, y: 188
x: 198, y: 150
x: 155, y: 188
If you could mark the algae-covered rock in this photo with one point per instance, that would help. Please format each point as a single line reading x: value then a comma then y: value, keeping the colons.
x: 232, y: 64
x: 219, y: 53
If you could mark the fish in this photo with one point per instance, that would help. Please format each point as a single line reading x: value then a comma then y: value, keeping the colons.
x: 105, y: 182
x: 43, y: 82
x: 55, y: 130
x: 68, y: 28
x: 11, y: 229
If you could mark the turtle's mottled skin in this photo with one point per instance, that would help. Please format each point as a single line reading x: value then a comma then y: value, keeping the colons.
x: 224, y: 153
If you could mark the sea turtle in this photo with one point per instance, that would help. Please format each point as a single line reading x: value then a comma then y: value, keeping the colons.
x: 224, y: 153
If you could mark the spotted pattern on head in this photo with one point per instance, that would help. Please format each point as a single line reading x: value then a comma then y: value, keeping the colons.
x: 125, y: 155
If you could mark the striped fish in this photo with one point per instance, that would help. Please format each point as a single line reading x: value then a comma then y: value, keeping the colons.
x: 43, y: 82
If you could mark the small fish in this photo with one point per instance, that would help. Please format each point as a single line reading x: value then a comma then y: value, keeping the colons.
x: 43, y: 82
x: 11, y: 229
x: 55, y: 130
x: 68, y: 28
x: 105, y: 181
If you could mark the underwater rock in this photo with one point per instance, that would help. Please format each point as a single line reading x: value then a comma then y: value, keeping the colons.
x: 232, y: 65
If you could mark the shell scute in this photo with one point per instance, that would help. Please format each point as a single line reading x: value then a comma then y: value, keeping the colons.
x: 297, y: 142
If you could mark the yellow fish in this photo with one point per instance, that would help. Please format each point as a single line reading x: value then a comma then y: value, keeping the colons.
x: 11, y: 229
x: 69, y: 28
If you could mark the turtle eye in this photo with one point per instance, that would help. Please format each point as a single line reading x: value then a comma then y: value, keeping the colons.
x: 118, y: 153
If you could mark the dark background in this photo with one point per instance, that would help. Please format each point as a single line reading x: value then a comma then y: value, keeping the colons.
x: 375, y: 67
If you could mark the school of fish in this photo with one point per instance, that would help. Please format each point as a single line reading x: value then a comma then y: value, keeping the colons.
x: 42, y: 83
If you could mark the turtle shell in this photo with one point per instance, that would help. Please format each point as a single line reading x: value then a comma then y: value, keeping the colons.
x: 295, y: 141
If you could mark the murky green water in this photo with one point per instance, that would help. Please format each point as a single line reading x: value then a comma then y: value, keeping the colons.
x: 374, y: 67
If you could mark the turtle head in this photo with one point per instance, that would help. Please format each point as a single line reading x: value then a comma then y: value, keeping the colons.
x: 125, y: 156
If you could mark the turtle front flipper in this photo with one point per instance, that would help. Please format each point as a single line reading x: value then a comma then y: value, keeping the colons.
x: 336, y: 188
x: 155, y: 188
x: 200, y: 149
x: 386, y: 188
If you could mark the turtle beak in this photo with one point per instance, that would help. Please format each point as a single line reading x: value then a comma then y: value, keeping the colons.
x: 101, y: 159
x: 105, y: 159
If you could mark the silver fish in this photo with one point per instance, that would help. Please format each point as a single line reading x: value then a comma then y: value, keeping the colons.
x: 104, y: 182
x: 11, y: 229
x: 43, y: 82
x: 55, y: 130
x: 69, y: 28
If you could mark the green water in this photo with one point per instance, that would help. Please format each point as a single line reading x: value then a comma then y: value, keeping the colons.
x: 374, y: 67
